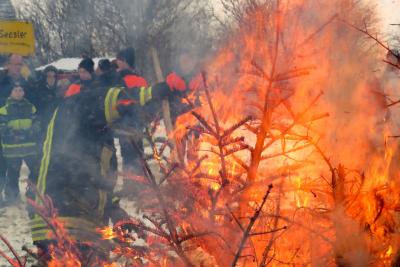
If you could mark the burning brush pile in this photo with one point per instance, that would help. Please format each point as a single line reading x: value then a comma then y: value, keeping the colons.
x: 287, y: 160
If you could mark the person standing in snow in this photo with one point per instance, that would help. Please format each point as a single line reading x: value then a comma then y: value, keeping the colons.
x: 19, y: 128
x: 132, y: 81
x: 47, y: 96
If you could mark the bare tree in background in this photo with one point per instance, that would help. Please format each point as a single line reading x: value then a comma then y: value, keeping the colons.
x: 102, y: 27
x: 73, y: 28
x: 169, y: 26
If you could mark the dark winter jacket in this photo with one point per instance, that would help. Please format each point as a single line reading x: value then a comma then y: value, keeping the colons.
x: 108, y: 79
x: 18, y: 128
x: 47, y: 101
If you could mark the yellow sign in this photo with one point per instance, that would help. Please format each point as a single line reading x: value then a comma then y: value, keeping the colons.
x: 17, y: 37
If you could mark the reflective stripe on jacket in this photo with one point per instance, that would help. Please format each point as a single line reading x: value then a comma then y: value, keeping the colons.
x: 75, y: 228
x: 81, y: 227
x: 16, y: 124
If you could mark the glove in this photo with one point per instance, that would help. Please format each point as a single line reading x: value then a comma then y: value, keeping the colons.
x: 175, y: 82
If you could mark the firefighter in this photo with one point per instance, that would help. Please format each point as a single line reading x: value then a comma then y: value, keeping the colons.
x: 106, y: 76
x: 18, y: 134
x: 185, y: 77
x: 86, y: 77
x: 71, y: 172
x: 130, y: 79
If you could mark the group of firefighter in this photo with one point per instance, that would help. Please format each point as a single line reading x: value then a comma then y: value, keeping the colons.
x: 64, y: 132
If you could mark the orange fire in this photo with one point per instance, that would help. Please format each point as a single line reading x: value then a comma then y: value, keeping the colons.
x: 67, y: 260
x: 107, y: 233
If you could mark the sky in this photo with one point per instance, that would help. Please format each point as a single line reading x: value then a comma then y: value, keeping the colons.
x: 389, y: 11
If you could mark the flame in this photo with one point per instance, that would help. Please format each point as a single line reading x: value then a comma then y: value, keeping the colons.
x: 301, y: 197
x: 107, y: 233
x: 67, y: 259
x: 215, y: 186
x: 389, y: 252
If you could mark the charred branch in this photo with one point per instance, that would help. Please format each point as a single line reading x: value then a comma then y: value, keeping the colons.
x: 17, y: 261
x: 247, y: 232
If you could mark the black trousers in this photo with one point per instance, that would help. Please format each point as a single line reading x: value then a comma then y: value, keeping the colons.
x: 11, y: 189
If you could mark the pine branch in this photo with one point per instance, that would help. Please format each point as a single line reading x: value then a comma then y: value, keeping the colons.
x: 205, y: 124
x: 236, y: 126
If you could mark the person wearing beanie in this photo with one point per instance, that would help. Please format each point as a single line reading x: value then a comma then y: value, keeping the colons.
x: 126, y: 69
x: 86, y: 78
x: 87, y: 65
x: 131, y: 80
x: 126, y: 58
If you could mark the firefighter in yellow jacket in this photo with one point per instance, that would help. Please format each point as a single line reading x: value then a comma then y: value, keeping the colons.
x: 18, y: 139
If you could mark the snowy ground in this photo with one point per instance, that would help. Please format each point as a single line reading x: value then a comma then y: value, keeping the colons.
x: 14, y: 223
